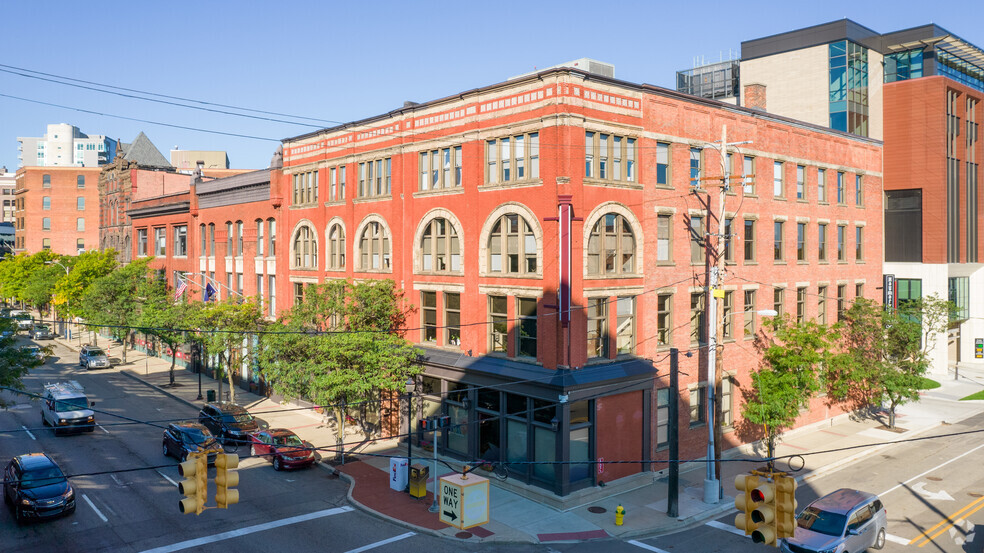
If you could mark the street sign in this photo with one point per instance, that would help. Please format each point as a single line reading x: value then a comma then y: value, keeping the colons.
x: 464, y: 500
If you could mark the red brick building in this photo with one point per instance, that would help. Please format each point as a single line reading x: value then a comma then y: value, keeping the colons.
x: 56, y: 208
x: 542, y: 227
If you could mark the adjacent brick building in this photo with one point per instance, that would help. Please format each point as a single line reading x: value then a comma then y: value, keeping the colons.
x: 57, y: 209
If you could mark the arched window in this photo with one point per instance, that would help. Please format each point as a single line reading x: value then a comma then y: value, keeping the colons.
x: 512, y: 246
x: 229, y: 237
x: 211, y: 239
x: 336, y: 247
x: 305, y: 246
x: 611, y: 246
x: 440, y: 249
x: 374, y: 248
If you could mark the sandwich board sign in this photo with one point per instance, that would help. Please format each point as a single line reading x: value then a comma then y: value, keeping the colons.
x: 464, y: 500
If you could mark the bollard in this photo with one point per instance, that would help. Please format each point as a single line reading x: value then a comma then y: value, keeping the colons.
x: 619, y: 515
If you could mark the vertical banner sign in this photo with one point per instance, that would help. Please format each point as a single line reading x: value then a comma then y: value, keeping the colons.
x: 979, y: 348
x: 566, y: 215
x: 888, y: 286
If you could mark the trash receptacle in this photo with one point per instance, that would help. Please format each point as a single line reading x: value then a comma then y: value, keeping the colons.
x: 398, y: 473
x: 418, y: 480
x: 210, y: 396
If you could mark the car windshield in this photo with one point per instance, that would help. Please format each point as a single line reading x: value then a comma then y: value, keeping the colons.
x: 95, y: 351
x: 42, y: 328
x: 71, y: 404
x: 22, y: 316
x: 236, y: 417
x: 287, y: 439
x: 823, y: 522
x: 195, y: 436
x: 32, y: 349
x: 41, y: 477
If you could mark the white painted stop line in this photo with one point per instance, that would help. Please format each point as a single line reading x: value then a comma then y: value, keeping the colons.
x: 646, y: 546
x: 381, y: 543
x: 28, y: 432
x: 248, y: 530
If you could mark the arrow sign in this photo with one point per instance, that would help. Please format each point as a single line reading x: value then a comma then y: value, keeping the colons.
x: 451, y: 515
x: 941, y: 495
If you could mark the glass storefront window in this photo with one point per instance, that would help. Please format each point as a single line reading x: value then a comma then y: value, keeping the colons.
x: 488, y: 398
x: 579, y: 413
x: 429, y: 386
x: 516, y: 405
x: 517, y: 433
x: 543, y: 410
x: 458, y: 433
x: 488, y: 436
x: 580, y: 452
x: 545, y: 449
x: 457, y: 391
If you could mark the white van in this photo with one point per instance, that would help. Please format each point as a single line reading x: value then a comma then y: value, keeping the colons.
x: 66, y: 408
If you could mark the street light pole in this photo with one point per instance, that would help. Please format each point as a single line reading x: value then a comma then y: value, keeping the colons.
x: 411, y: 386
x: 67, y: 324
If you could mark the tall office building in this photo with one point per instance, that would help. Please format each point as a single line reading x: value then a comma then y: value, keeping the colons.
x: 65, y: 145
x: 7, y: 205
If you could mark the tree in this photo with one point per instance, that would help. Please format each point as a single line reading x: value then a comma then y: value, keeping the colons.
x: 40, y: 287
x: 226, y: 328
x: 793, y: 354
x: 166, y: 319
x: 114, y: 300
x: 14, y: 361
x: 84, y: 270
x: 341, y: 345
x: 20, y: 272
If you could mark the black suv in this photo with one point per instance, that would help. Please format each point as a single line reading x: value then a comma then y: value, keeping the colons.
x: 35, y: 488
x: 182, y: 438
x: 228, y: 422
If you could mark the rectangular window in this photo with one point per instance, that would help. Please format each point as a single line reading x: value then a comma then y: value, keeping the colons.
x: 259, y: 238
x: 597, y: 328
x: 728, y: 315
x: 841, y: 300
x: 160, y: 241
x: 440, y: 168
x: 749, y: 313
x: 777, y: 250
x: 508, y: 159
x: 211, y: 240
x: 822, y: 186
x: 858, y: 191
x: 859, y: 290
x: 239, y: 238
x: 80, y: 203
x: 46, y: 203
x: 526, y: 345
x: 777, y: 183
x: 800, y: 182
x: 779, y: 300
x: 801, y: 305
x: 341, y: 183
x: 695, y: 166
x: 46, y: 181
x: 662, y: 163
x: 748, y: 172
x: 609, y: 157
x: 727, y: 402
x: 375, y: 178
x: 332, y: 184
x: 305, y: 188
x: 697, y: 405
x: 180, y: 240
x: 141, y: 242
x: 428, y: 314
x: 697, y: 239
x: 841, y: 248
x: 452, y: 319
x: 822, y: 305
x: 729, y: 250
x: 79, y: 244
x: 663, y: 237
x: 859, y: 243
x: 272, y: 241
x: 46, y: 223
x: 229, y: 240
x: 664, y: 319
x: 272, y: 295
x: 662, y: 418
x: 625, y: 325
x: 498, y: 329
x: 203, y: 248
x: 696, y: 316
x: 80, y: 181
x: 801, y: 241
x: 840, y: 187
x: 46, y: 243
x: 298, y: 291
x: 822, y: 238
x: 749, y: 240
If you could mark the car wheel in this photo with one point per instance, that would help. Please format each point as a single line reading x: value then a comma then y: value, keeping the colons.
x: 252, y: 450
x: 164, y: 447
x: 278, y: 464
x: 880, y: 539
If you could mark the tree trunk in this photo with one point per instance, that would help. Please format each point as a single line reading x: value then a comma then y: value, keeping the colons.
x: 340, y: 434
x: 217, y: 374
x: 891, y: 416
x: 171, y: 372
x: 123, y: 347
x: 232, y: 388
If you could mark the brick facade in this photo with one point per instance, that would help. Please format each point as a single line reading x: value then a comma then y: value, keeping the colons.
x: 59, y: 197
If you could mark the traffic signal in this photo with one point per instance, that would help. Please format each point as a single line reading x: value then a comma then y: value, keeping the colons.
x: 195, y: 485
x: 785, y: 506
x: 226, y: 477
x: 745, y: 483
x: 764, y: 513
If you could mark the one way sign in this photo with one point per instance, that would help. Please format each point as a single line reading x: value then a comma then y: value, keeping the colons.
x: 464, y: 500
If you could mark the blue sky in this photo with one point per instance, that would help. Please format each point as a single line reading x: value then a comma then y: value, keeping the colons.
x: 339, y: 62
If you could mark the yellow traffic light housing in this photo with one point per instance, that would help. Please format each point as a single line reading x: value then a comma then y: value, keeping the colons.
x: 764, y: 513
x: 785, y: 506
x: 226, y: 477
x: 195, y: 485
x: 745, y: 483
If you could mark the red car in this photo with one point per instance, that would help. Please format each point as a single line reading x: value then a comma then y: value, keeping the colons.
x: 283, y: 447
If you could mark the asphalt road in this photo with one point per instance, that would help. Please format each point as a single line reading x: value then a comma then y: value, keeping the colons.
x: 933, y: 490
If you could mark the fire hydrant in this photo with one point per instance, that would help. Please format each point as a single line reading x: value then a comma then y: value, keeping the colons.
x: 619, y: 515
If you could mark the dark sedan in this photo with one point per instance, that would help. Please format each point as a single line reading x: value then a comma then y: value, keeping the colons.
x: 283, y: 447
x: 230, y: 423
x: 35, y: 488
x: 182, y: 438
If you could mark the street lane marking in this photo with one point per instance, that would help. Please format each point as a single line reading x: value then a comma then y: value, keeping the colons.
x: 726, y: 528
x: 168, y: 479
x: 896, y: 539
x: 380, y: 543
x: 930, y: 470
x: 28, y: 432
x: 93, y: 505
x: 976, y: 505
x: 646, y: 547
x: 248, y: 530
x: 101, y: 428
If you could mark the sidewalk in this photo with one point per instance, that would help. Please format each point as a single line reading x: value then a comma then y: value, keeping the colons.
x: 514, y: 518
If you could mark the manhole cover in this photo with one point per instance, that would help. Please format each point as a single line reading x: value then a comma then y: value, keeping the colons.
x: 463, y: 535
x: 934, y: 478
x: 597, y: 510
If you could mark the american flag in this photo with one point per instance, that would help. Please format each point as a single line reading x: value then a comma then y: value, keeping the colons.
x: 181, y: 289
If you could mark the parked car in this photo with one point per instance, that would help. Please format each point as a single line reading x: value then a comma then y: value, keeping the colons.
x: 229, y: 423
x: 283, y: 447
x: 35, y: 351
x: 93, y: 357
x: 182, y: 438
x: 35, y: 488
x: 23, y: 318
x: 840, y: 522
x: 41, y: 332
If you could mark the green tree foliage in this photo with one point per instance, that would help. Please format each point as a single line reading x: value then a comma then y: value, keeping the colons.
x: 17, y: 272
x: 227, y: 328
x: 84, y: 270
x: 166, y: 319
x: 114, y: 300
x: 14, y: 362
x: 39, y: 288
x: 343, y: 344
x: 793, y: 356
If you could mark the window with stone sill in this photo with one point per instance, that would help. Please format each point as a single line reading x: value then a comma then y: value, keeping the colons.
x: 440, y: 248
x: 512, y: 159
x: 305, y: 249
x: 336, y: 247
x: 609, y: 157
x: 440, y: 168
x: 512, y: 247
x: 611, y: 247
x: 375, y: 178
x: 304, y: 188
x: 374, y: 248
